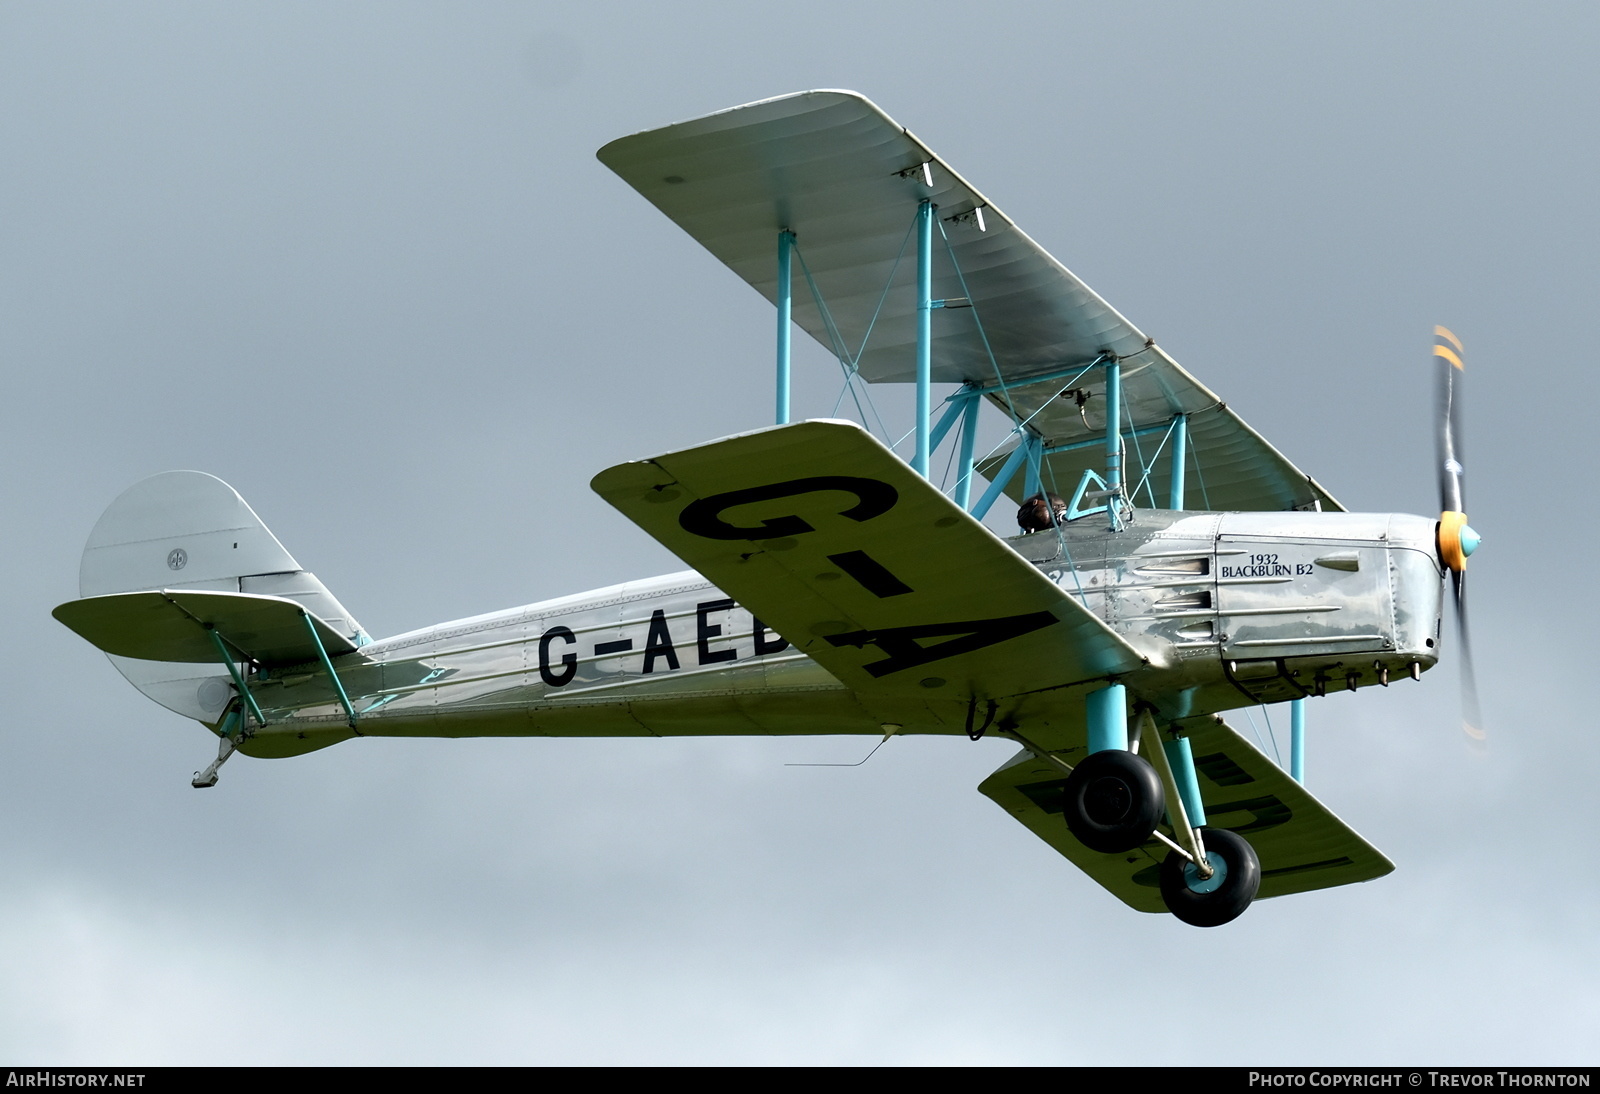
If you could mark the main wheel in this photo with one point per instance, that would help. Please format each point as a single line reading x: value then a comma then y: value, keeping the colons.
x: 1114, y: 800
x: 1220, y: 898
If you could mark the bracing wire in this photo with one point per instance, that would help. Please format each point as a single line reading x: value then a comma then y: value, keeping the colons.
x: 839, y: 351
x: 1199, y: 472
x: 1138, y: 451
x: 849, y: 362
x: 945, y: 485
x: 977, y: 319
x: 1154, y: 459
x: 1018, y: 428
x: 1257, y: 730
x: 1019, y: 423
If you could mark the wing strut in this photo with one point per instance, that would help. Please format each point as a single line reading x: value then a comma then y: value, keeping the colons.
x: 1297, y: 739
x: 1114, y: 443
x: 785, y: 321
x: 322, y: 653
x: 919, y: 462
x: 233, y: 671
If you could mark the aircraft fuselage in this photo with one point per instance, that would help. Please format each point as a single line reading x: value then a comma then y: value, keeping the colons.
x: 1229, y: 609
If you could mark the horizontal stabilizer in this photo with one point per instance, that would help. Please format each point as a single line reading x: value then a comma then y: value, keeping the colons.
x: 1302, y: 845
x: 858, y: 561
x: 177, y: 625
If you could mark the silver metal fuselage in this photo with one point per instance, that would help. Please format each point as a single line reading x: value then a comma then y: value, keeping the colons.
x: 1229, y: 610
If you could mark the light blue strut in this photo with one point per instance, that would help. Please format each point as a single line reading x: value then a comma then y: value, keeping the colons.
x: 1297, y: 740
x: 785, y: 324
x: 1113, y: 441
x: 1180, y: 453
x: 1108, y: 719
x: 919, y: 462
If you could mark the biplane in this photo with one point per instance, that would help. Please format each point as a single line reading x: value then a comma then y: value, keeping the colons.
x: 1177, y: 566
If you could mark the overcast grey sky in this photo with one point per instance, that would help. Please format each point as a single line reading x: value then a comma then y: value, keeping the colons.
x: 359, y: 261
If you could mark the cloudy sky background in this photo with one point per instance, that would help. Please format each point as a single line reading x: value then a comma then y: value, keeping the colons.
x: 359, y: 261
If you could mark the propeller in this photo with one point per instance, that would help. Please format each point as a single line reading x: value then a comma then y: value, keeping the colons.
x: 1456, y: 539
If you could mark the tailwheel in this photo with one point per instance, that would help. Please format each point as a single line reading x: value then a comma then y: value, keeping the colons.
x: 1113, y: 801
x: 1220, y: 898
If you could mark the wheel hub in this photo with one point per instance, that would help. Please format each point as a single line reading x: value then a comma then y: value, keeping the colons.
x: 1108, y: 800
x: 1198, y: 884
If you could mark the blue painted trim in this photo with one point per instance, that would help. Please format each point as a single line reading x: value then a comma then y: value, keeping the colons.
x: 1108, y: 718
x: 969, y: 434
x: 1113, y: 438
x: 1180, y: 456
x: 1002, y: 480
x: 785, y: 325
x: 1297, y: 740
x: 919, y: 462
x: 1180, y: 757
x: 1031, y: 482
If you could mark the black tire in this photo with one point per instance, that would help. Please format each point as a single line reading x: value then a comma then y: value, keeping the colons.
x: 1113, y: 801
x: 1241, y: 877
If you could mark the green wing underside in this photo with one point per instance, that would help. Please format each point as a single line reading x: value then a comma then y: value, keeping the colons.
x: 1301, y: 844
x: 831, y: 540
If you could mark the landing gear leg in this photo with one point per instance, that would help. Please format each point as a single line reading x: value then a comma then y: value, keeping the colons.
x: 1214, y: 876
x: 231, y: 734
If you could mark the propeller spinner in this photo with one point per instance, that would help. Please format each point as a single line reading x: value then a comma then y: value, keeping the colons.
x: 1456, y: 539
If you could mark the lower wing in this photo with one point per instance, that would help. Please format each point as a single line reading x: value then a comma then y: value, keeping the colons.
x: 1301, y: 843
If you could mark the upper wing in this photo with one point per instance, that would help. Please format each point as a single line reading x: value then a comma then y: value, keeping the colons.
x: 847, y: 180
x: 1301, y: 843
x: 858, y: 561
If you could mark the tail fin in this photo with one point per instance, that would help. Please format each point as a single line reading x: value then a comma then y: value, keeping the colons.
x: 190, y: 530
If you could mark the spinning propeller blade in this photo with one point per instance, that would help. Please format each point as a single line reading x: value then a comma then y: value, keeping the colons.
x: 1471, y: 716
x: 1456, y: 538
x: 1447, y: 349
